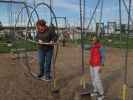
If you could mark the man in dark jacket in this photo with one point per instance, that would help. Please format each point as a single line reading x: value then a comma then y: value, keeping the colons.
x: 46, y: 38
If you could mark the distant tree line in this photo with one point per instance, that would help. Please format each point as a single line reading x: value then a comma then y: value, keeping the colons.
x: 1, y: 25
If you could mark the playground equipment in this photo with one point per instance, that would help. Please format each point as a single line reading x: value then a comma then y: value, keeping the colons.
x: 23, y: 35
x: 128, y: 10
x: 63, y: 29
x: 31, y: 29
x: 125, y: 81
x: 56, y: 45
x: 9, y: 30
x: 82, y: 30
x: 26, y: 37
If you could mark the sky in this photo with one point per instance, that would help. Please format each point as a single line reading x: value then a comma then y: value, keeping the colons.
x: 69, y: 9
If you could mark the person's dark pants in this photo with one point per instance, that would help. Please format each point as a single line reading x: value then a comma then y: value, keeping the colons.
x: 45, y: 57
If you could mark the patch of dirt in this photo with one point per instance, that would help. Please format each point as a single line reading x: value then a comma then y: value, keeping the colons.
x: 17, y: 84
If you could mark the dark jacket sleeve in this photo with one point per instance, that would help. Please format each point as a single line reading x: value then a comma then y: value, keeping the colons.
x: 52, y: 34
x: 53, y: 37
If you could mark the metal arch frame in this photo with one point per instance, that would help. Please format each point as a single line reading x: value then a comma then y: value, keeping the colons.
x: 65, y: 23
x: 34, y: 9
x: 15, y: 2
x: 99, y: 25
x: 17, y: 19
x: 64, y: 18
x: 126, y: 8
x: 97, y: 5
x: 57, y: 46
x: 46, y: 5
x: 29, y: 21
x: 27, y: 9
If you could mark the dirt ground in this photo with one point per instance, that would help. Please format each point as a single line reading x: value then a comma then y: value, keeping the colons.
x: 17, y: 84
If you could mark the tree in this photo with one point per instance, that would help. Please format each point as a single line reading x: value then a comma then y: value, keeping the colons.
x: 0, y: 25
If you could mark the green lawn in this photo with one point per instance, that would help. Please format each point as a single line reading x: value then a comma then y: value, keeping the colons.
x: 21, y: 44
x: 115, y: 42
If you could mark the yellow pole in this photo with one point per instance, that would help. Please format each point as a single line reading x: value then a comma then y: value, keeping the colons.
x: 82, y: 82
x: 124, y: 92
x: 54, y: 83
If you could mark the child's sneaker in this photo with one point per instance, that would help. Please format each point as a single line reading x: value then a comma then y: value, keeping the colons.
x: 94, y: 94
x: 100, y: 97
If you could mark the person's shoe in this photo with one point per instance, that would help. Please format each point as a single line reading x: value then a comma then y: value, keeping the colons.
x: 100, y: 97
x: 48, y: 78
x: 39, y: 76
x: 43, y: 78
x: 94, y: 94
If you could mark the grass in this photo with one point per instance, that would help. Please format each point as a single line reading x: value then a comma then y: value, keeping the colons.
x: 4, y: 49
x: 20, y: 44
x: 115, y: 42
x: 25, y: 44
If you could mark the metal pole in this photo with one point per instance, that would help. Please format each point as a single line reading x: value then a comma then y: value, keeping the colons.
x: 120, y: 20
x: 16, y: 2
x: 81, y: 30
x: 64, y: 19
x: 11, y: 21
x: 127, y: 38
x: 98, y: 2
x: 101, y: 12
x: 100, y: 21
x: 83, y: 16
x: 34, y: 3
x: 65, y: 22
x: 51, y: 6
x: 83, y: 35
x: 82, y: 26
x: 125, y: 86
x: 126, y: 8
